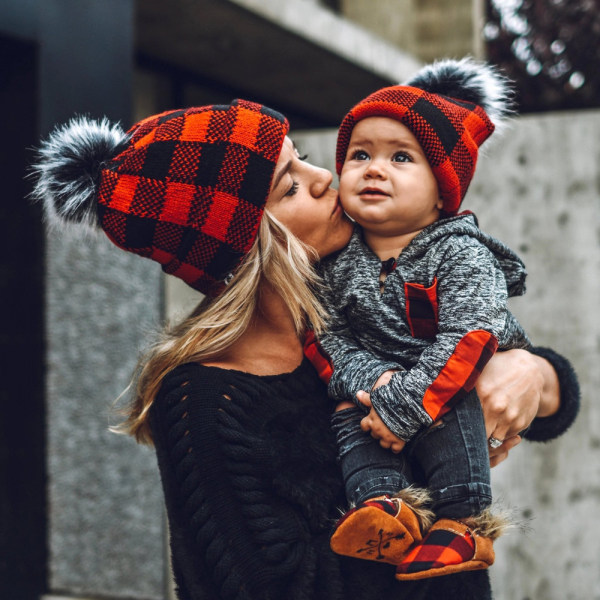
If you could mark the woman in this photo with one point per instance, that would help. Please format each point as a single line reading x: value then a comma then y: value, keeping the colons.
x: 239, y: 417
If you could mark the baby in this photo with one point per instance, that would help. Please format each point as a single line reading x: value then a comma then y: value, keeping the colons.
x: 418, y: 306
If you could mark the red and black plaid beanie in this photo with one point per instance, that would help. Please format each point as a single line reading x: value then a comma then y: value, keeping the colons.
x: 447, y: 106
x: 186, y: 188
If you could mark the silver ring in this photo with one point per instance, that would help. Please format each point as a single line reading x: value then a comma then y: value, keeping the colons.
x: 495, y: 442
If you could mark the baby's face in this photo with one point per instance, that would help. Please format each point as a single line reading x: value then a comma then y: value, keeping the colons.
x: 386, y: 183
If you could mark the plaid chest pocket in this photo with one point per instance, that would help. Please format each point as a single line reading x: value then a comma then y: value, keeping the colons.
x: 422, y: 309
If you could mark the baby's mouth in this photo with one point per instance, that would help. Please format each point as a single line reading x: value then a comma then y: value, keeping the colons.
x: 372, y: 192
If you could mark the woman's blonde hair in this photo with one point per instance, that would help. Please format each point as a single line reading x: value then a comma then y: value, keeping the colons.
x: 276, y: 258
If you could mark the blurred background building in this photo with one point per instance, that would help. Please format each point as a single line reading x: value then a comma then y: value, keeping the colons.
x: 81, y: 512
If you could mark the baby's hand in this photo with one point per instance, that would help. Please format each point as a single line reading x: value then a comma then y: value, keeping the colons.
x: 379, y: 430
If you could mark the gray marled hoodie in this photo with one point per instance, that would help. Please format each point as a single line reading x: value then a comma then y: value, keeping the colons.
x: 438, y: 321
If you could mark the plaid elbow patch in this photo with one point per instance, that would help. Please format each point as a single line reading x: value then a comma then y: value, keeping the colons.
x: 319, y: 359
x: 422, y: 309
x: 190, y: 189
x: 450, y: 132
x: 460, y: 373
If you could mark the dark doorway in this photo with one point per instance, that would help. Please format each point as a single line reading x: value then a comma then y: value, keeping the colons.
x: 22, y: 438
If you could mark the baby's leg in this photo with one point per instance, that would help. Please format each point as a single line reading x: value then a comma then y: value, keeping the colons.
x: 380, y: 526
x: 368, y: 469
x: 453, y: 457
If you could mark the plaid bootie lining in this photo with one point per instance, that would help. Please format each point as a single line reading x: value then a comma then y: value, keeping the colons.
x: 449, y: 547
x: 381, y: 529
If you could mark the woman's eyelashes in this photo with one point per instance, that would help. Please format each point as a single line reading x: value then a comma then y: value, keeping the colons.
x: 293, y: 189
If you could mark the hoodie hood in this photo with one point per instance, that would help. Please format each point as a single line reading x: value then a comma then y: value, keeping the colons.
x: 466, y: 224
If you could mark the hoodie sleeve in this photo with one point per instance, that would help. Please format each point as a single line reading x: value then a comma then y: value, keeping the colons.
x: 472, y: 319
x: 355, y: 367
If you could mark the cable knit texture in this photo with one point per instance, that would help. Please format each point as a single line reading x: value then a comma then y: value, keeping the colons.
x: 252, y: 490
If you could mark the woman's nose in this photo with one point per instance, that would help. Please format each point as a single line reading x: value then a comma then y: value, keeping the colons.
x: 321, y: 181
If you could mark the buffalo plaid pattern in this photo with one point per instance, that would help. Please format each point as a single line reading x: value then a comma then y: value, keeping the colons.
x: 190, y: 188
x: 385, y: 504
x: 439, y: 548
x: 422, y: 309
x: 450, y: 132
x: 460, y: 373
x: 319, y: 359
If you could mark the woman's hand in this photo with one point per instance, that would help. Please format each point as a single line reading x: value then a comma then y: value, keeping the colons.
x: 514, y: 388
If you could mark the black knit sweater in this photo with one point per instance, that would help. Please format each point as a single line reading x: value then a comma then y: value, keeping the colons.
x: 252, y: 489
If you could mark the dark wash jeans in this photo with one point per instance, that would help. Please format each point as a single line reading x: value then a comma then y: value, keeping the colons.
x: 450, y: 459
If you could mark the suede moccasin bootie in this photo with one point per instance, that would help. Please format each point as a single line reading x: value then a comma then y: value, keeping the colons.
x: 381, y: 529
x: 449, y: 547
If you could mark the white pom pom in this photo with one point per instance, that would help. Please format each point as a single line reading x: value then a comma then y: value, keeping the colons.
x: 467, y: 79
x: 68, y: 166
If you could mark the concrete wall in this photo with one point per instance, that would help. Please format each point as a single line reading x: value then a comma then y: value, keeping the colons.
x: 538, y: 189
x: 106, y: 531
x: 105, y: 514
x: 427, y: 29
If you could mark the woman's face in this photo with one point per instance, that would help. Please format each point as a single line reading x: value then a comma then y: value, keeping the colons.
x: 301, y: 198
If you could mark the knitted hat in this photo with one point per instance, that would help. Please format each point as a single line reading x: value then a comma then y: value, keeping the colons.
x: 451, y: 107
x: 186, y: 188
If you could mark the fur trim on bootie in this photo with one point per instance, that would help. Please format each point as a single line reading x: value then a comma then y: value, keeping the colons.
x: 382, y: 529
x: 453, y: 546
x: 488, y: 524
x: 419, y: 501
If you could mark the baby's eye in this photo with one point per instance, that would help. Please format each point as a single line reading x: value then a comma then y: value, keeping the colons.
x: 359, y: 155
x: 401, y: 157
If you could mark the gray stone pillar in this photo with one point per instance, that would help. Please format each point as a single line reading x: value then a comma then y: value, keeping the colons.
x: 537, y: 189
x: 105, y: 504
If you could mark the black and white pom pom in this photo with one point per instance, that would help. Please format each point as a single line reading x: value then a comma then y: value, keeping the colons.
x: 467, y: 79
x: 68, y: 166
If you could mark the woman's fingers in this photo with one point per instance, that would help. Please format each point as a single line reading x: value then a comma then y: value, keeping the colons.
x: 509, y: 388
x: 499, y: 454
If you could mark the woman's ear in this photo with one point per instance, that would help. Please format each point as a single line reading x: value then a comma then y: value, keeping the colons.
x: 440, y: 204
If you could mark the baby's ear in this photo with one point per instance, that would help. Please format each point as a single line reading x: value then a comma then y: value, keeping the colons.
x: 440, y: 204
